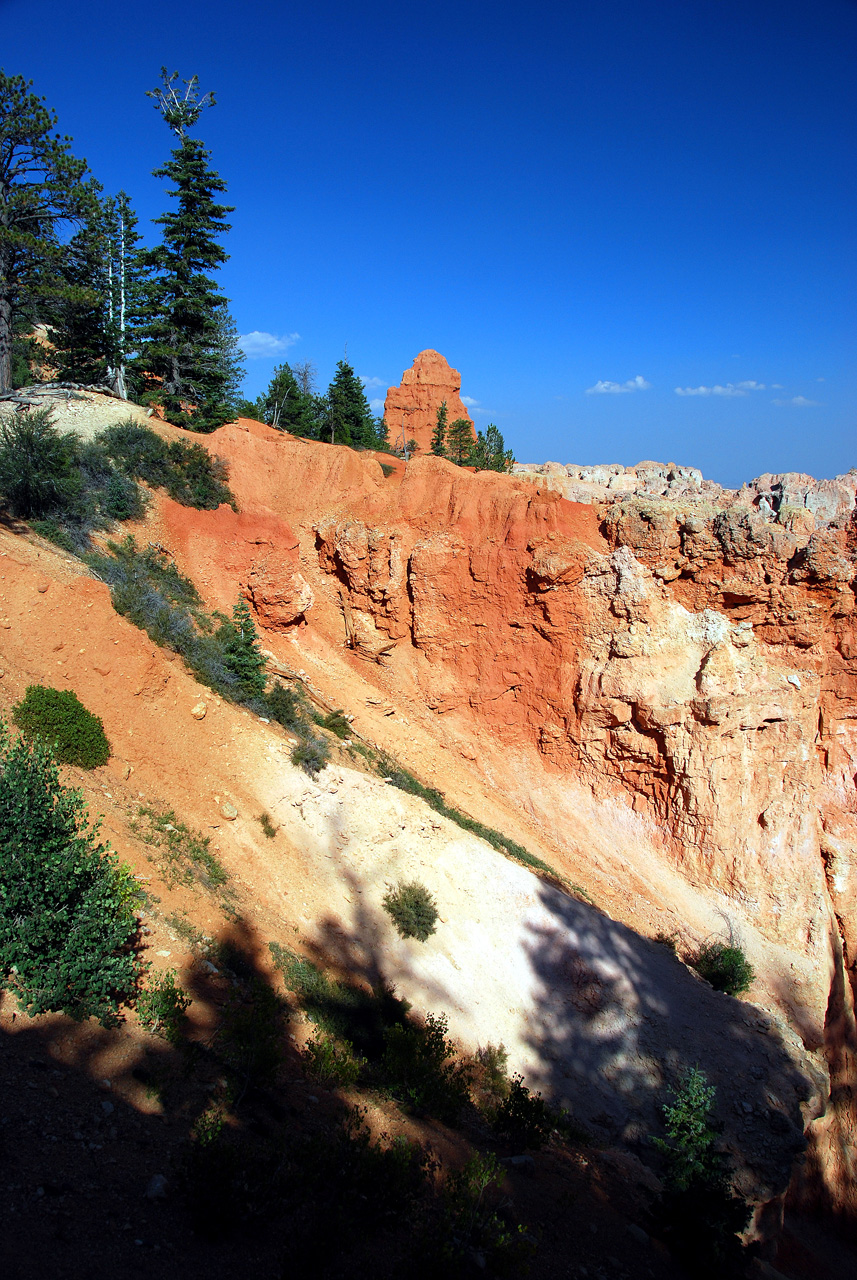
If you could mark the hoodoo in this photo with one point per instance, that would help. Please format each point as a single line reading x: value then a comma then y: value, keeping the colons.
x: 413, y: 405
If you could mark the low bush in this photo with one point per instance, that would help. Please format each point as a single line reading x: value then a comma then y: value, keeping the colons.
x: 473, y: 1225
x: 337, y: 723
x: 267, y: 825
x: 188, y: 472
x: 413, y: 910
x: 67, y: 907
x: 725, y: 966
x: 161, y: 1008
x: 37, y: 473
x: 286, y: 706
x: 421, y: 1068
x: 311, y: 755
x: 332, y: 1061
x: 75, y: 735
x: 523, y: 1118
x: 55, y: 533
x: 492, y: 1062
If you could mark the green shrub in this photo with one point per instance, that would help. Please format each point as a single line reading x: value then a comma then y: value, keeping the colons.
x: 55, y: 533
x: 524, y: 1118
x: 267, y: 825
x: 698, y: 1215
x: 188, y: 472
x: 337, y: 723
x: 475, y: 1225
x: 37, y: 474
x: 331, y: 1061
x: 725, y: 966
x: 67, y: 907
x: 311, y: 755
x: 57, y: 715
x: 286, y: 706
x: 250, y: 1040
x: 421, y: 1068
x: 387, y: 469
x: 412, y: 909
x: 161, y: 1008
x: 493, y: 1062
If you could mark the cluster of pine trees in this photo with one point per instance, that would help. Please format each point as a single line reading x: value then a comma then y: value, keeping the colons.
x: 454, y: 440
x: 340, y: 416
x: 150, y: 324
x: 83, y: 300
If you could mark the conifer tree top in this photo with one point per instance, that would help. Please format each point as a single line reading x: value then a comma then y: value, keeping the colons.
x: 181, y: 111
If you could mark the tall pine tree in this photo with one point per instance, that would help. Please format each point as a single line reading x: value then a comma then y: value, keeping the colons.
x: 43, y: 195
x: 189, y: 360
x: 349, y: 418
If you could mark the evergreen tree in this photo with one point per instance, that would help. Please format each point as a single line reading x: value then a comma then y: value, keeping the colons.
x: 349, y: 418
x: 95, y: 315
x: 241, y: 651
x: 189, y: 360
x: 79, y: 310
x: 286, y: 406
x: 489, y: 453
x: 42, y: 195
x: 438, y: 440
x: 459, y: 441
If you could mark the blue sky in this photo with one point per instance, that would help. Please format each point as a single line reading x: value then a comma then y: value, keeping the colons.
x: 585, y: 207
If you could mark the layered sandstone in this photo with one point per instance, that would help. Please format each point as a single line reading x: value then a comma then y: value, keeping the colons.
x: 413, y: 405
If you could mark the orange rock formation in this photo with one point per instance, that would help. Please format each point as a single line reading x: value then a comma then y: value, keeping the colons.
x: 415, y: 402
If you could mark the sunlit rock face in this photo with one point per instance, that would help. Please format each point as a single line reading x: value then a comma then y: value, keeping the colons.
x: 413, y: 405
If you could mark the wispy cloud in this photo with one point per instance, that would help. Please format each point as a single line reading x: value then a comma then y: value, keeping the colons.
x: 486, y: 412
x: 372, y: 382
x: 730, y: 389
x: 607, y: 388
x: 800, y: 401
x: 377, y: 406
x: 258, y: 345
x: 469, y: 402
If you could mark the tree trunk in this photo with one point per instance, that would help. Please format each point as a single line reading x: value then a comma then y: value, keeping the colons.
x: 5, y: 344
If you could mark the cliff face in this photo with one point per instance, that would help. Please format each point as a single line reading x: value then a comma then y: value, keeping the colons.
x: 688, y: 650
x: 413, y: 405
x: 703, y: 664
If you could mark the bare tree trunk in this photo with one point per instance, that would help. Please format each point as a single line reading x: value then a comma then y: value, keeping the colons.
x: 121, y: 389
x: 5, y: 344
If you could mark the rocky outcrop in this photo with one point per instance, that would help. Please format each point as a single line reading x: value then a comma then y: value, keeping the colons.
x: 413, y: 405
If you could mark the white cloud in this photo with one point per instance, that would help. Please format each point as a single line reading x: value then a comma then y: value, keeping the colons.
x: 258, y: 346
x: 821, y: 379
x: 469, y: 402
x: 487, y: 412
x: 372, y: 382
x: 377, y: 406
x: 604, y: 387
x: 776, y: 386
x: 731, y: 389
x: 800, y: 401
